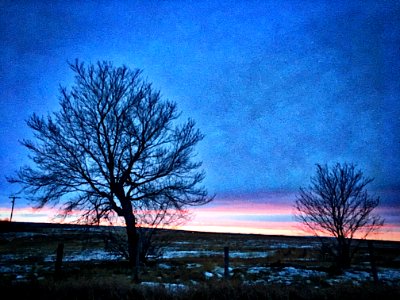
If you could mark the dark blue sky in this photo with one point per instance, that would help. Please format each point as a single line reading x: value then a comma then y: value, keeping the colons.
x: 276, y: 86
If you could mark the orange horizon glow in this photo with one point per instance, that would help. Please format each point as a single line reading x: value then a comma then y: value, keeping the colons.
x: 236, y: 218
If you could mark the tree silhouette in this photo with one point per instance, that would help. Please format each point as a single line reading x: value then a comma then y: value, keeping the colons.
x: 337, y: 204
x: 113, y: 147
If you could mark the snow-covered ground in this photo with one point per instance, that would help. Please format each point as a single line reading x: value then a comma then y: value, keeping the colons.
x: 290, y: 275
x: 22, y: 263
x: 86, y: 255
x: 177, y: 253
x: 171, y: 287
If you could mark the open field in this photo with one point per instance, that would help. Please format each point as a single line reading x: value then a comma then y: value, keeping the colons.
x: 191, y: 266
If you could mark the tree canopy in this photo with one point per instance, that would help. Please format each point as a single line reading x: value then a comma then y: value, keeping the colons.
x: 113, y: 147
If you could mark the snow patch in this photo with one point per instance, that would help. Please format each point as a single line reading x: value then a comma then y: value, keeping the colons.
x: 86, y: 255
x: 208, y: 275
x: 188, y: 253
x: 389, y: 275
x: 171, y: 287
x: 174, y: 253
x: 193, y: 265
x: 164, y: 266
x: 250, y: 254
x: 256, y: 270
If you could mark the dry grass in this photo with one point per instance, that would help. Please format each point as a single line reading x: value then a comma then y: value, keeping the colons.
x: 112, y: 288
x: 113, y: 280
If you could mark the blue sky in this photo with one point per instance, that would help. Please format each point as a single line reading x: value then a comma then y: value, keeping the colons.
x: 275, y: 86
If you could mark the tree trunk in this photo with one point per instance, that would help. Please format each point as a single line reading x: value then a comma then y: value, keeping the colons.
x: 226, y: 262
x: 59, y: 259
x: 133, y: 243
x: 344, y: 259
x: 374, y: 271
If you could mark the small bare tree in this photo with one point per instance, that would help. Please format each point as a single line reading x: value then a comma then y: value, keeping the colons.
x: 337, y: 204
x: 113, y: 147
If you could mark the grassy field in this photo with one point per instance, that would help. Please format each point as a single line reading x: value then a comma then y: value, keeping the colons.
x: 191, y: 267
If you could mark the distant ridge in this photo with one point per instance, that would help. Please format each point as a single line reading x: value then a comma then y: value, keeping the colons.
x: 6, y: 226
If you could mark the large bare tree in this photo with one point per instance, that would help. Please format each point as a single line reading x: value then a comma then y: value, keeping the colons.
x: 337, y: 204
x: 113, y: 147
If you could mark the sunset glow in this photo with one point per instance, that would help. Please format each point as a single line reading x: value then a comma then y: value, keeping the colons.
x: 226, y: 215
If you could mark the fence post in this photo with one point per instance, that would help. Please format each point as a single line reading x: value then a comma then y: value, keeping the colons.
x: 372, y: 261
x: 137, y: 259
x: 226, y: 262
x: 59, y: 259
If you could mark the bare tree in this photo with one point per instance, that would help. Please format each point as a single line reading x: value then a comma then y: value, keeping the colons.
x: 111, y: 148
x: 337, y: 204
